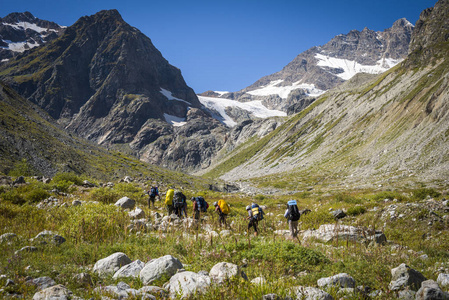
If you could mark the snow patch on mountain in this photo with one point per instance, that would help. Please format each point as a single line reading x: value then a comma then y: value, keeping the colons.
x: 19, y: 46
x: 219, y: 106
x: 27, y: 25
x: 274, y: 88
x: 169, y: 96
x: 174, y: 120
x: 349, y: 68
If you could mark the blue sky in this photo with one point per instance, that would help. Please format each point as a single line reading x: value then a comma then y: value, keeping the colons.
x: 228, y: 45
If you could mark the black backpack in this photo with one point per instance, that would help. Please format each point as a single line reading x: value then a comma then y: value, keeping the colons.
x: 202, y: 204
x: 293, y: 211
x: 178, y: 199
x: 153, y: 192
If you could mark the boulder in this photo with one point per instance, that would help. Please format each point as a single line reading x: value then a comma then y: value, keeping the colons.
x: 160, y: 293
x: 130, y: 270
x: 338, y: 214
x: 20, y: 180
x: 406, y: 295
x: 137, y: 213
x: 76, y: 203
x: 42, y: 283
x: 271, y: 297
x: 56, y: 292
x: 8, y: 237
x: 157, y: 268
x: 403, y: 276
x: 222, y: 271
x: 111, y: 264
x: 311, y: 293
x: 87, y: 183
x: 430, y: 290
x: 47, y: 236
x: 329, y: 232
x: 186, y: 284
x: 341, y: 280
x: 443, y: 280
x: 125, y: 203
x: 120, y: 291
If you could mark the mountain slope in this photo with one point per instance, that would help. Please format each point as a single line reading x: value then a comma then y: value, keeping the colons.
x: 394, y: 127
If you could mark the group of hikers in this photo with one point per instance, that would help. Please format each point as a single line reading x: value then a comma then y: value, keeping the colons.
x: 176, y: 203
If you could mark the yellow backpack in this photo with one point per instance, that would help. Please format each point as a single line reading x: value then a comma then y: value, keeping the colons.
x: 169, y: 197
x: 224, y: 207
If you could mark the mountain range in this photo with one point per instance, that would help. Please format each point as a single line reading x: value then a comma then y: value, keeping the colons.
x: 104, y: 81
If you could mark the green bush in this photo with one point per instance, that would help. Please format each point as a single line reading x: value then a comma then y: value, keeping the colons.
x: 356, y: 210
x: 22, y: 168
x: 67, y: 177
x: 316, y: 218
x: 24, y: 194
x: 104, y: 195
x: 389, y: 195
x: 342, y: 197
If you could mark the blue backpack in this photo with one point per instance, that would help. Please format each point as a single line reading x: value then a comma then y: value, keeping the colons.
x: 202, y: 204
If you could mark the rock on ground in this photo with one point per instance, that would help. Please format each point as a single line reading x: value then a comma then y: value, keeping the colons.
x: 430, y: 290
x: 311, y: 293
x: 111, y: 264
x: 42, y: 282
x: 8, y: 237
x: 49, y: 236
x: 56, y: 292
x: 125, y: 203
x: 403, y: 276
x: 130, y: 270
x: 186, y: 284
x: 341, y: 280
x: 137, y: 213
x: 222, y: 271
x: 166, y: 265
x: 443, y: 280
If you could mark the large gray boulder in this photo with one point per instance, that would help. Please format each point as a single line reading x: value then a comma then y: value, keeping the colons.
x: 186, y: 284
x: 430, y: 290
x: 130, y: 270
x: 125, y: 203
x: 163, y: 266
x: 311, y: 293
x: 56, y: 292
x: 120, y: 291
x: 404, y: 277
x: 329, y: 232
x: 443, y: 280
x: 222, y: 271
x: 111, y: 264
x: 341, y: 280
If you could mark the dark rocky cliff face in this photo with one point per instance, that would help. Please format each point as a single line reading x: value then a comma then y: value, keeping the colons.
x: 105, y: 81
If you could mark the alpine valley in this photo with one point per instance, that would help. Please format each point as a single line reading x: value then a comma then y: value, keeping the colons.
x: 368, y: 107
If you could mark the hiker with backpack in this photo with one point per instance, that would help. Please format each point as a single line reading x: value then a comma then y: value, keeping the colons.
x: 169, y: 200
x: 179, y: 200
x: 196, y: 209
x: 223, y: 209
x: 152, y: 193
x: 292, y: 214
x: 255, y: 214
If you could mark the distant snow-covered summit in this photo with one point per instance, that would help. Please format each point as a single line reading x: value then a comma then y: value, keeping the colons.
x: 321, y: 68
x: 23, y: 31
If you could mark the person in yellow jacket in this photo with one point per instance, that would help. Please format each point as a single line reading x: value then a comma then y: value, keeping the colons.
x: 169, y: 201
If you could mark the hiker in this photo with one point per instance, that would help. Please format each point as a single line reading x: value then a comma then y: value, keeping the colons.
x: 184, y: 208
x: 292, y: 214
x: 222, y: 208
x: 255, y: 214
x: 196, y: 209
x: 169, y: 200
x: 179, y: 200
x: 154, y: 191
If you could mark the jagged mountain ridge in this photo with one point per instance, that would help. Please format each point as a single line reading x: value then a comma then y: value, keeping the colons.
x: 321, y: 68
x: 392, y: 128
x: 22, y: 31
x: 105, y: 80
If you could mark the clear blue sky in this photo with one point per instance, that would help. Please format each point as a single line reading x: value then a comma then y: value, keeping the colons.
x: 228, y: 45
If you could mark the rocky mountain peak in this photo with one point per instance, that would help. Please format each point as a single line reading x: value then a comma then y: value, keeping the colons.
x: 431, y: 30
x: 23, y: 31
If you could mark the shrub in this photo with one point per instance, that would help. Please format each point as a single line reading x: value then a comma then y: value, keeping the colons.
x: 341, y: 197
x: 315, y: 219
x: 22, y: 168
x: 67, y: 177
x: 356, y: 210
x: 23, y: 194
x: 104, y: 195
